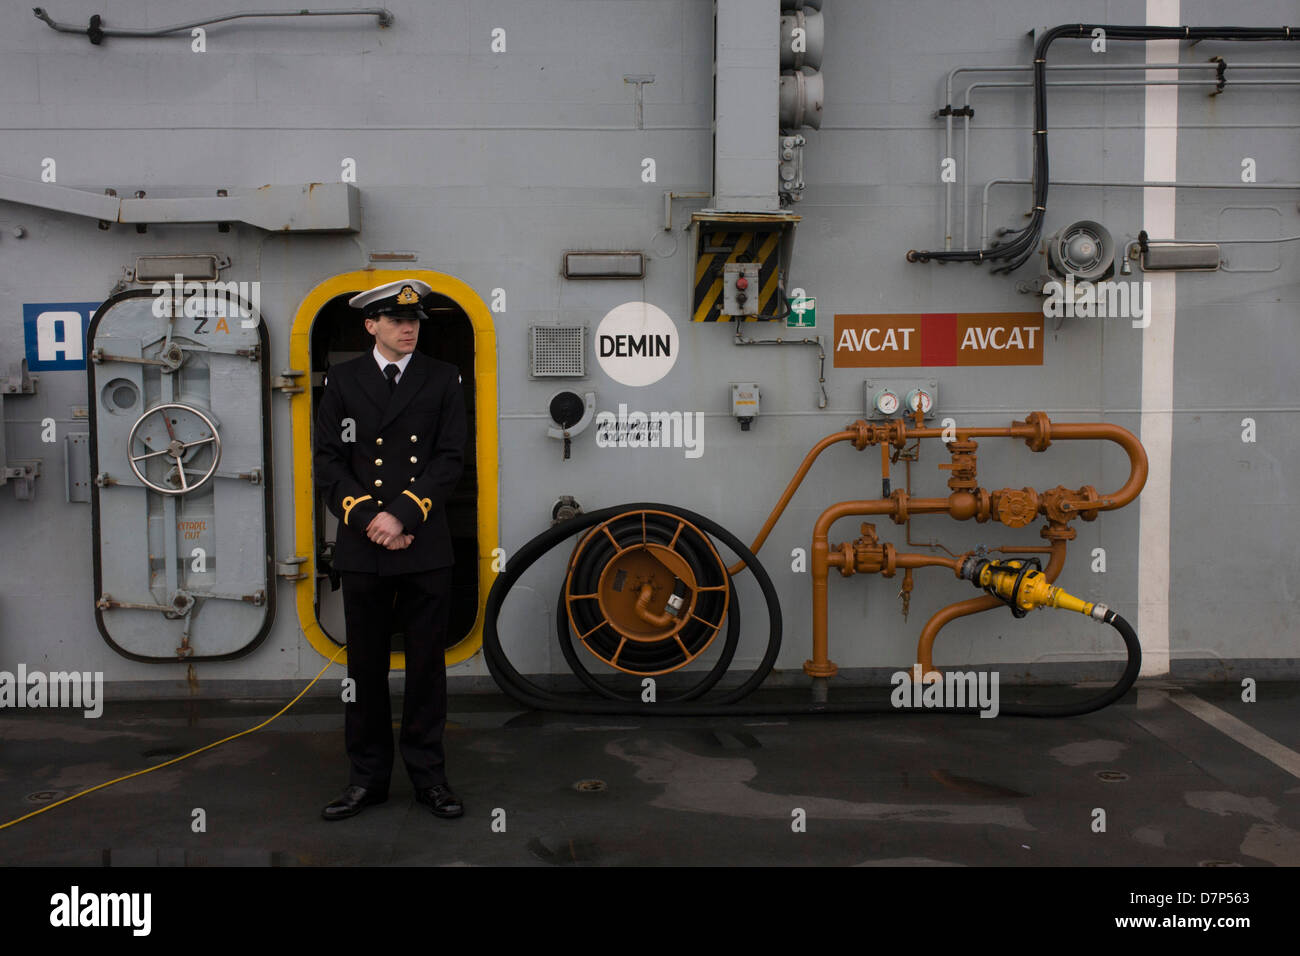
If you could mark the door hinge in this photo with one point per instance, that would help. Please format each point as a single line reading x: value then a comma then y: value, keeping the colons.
x: 285, y: 381
x: 291, y: 568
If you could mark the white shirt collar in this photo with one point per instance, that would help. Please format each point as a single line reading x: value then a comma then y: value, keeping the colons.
x: 384, y: 363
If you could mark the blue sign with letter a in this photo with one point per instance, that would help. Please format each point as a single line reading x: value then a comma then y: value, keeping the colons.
x: 55, y: 334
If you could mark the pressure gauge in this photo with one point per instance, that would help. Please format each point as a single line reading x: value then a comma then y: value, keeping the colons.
x: 886, y: 402
x: 919, y: 398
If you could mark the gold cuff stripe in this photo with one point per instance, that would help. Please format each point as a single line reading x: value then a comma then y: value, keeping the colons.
x: 426, y: 504
x: 349, y: 503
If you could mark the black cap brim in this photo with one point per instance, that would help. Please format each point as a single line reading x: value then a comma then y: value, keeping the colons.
x: 396, y: 311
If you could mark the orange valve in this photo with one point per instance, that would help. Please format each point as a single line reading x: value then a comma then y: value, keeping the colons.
x: 1015, y: 509
x: 646, y: 592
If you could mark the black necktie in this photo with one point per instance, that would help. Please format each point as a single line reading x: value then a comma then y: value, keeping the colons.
x: 391, y: 371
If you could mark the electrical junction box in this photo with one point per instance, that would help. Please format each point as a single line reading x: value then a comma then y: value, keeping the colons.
x: 744, y: 403
x: 740, y: 288
x: 724, y: 238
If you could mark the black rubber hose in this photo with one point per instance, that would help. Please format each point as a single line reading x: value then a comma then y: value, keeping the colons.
x: 1114, y: 693
x: 521, y: 689
x: 530, y: 695
x: 709, y: 680
x: 584, y: 575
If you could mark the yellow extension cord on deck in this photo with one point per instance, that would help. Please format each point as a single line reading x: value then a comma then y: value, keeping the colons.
x: 28, y: 816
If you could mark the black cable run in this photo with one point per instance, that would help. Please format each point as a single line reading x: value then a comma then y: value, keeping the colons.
x: 1016, y: 250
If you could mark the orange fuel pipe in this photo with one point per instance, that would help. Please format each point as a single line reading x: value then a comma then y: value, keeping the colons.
x: 919, y: 560
x: 1137, y: 457
x: 849, y: 434
x: 1038, y: 432
x: 925, y: 646
x: 821, y: 665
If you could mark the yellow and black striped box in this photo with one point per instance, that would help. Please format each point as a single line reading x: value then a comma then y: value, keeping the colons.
x: 765, y: 240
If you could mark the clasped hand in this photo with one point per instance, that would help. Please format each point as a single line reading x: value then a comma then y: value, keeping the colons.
x: 385, y: 530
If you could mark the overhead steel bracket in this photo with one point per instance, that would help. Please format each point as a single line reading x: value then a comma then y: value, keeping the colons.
x: 307, y: 207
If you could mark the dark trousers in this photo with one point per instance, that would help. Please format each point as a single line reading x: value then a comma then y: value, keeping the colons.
x: 375, y: 607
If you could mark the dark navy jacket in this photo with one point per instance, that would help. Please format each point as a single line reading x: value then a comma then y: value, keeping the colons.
x: 405, y: 458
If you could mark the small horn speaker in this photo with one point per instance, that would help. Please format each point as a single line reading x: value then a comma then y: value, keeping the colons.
x: 1083, y: 249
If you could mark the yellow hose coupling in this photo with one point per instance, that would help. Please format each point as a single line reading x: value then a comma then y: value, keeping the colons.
x: 1023, y: 586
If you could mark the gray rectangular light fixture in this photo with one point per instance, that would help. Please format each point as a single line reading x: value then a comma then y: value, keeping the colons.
x: 604, y: 265
x: 1181, y: 257
x: 166, y: 268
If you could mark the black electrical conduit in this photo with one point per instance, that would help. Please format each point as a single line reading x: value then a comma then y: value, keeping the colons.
x: 1017, y: 250
x: 530, y: 695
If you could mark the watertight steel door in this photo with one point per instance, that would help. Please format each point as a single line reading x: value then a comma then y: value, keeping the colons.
x: 181, y: 502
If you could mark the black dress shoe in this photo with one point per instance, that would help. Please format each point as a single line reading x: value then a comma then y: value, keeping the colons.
x: 440, y: 801
x: 351, y: 802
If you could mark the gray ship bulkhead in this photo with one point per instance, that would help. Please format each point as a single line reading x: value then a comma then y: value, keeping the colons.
x: 487, y: 167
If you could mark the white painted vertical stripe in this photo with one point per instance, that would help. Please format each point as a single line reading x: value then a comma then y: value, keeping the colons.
x: 1161, y: 163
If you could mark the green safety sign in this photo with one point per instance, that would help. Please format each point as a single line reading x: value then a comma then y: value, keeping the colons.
x: 803, y: 313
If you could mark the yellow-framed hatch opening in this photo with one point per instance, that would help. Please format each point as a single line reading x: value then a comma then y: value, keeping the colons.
x: 485, y: 445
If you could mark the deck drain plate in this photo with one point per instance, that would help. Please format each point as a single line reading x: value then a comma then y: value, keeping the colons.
x: 163, y: 752
x: 45, y: 796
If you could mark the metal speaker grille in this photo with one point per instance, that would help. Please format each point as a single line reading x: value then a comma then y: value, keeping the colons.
x: 559, y: 350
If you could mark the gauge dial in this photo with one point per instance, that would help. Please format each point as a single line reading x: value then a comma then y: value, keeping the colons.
x: 919, y: 398
x: 886, y: 402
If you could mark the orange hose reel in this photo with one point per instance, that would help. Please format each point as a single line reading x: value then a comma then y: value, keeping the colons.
x: 646, y: 592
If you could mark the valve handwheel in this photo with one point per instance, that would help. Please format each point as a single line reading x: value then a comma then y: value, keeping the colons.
x: 179, y: 432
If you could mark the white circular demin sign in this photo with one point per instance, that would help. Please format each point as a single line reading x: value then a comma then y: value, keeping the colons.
x: 637, y: 343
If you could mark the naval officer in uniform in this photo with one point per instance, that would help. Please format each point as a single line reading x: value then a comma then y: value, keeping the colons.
x: 389, y: 443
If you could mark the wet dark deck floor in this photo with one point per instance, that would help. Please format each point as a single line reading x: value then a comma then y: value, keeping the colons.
x: 875, y: 790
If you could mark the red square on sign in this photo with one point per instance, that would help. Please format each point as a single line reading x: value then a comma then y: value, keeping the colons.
x: 939, y: 338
